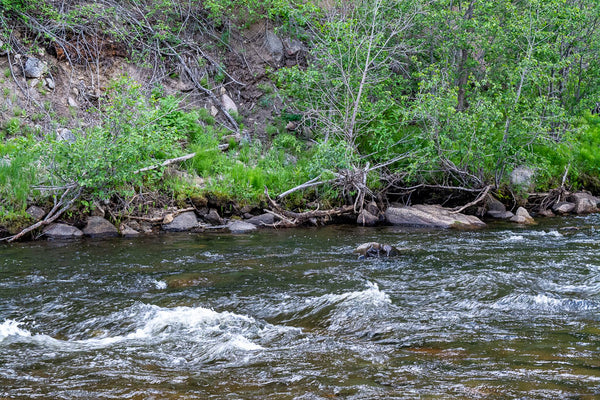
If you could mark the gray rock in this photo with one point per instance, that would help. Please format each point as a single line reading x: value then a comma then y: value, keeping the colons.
x: 522, y: 177
x: 228, y: 103
x: 293, y: 47
x: 262, y: 220
x: 585, y: 203
x: 34, y: 68
x: 374, y: 249
x: 50, y: 83
x: 496, y: 209
x: 431, y: 216
x: 563, y: 207
x: 274, y: 46
x: 128, y: 231
x: 36, y: 213
x: 522, y: 217
x: 3, y: 52
x: 62, y: 231
x: 64, y: 134
x: 213, y: 217
x: 99, y: 227
x: 240, y: 227
x: 546, y: 213
x: 71, y: 102
x: 181, y: 223
x: 365, y: 218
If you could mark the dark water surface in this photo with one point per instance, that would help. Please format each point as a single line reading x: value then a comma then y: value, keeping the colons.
x: 506, y: 312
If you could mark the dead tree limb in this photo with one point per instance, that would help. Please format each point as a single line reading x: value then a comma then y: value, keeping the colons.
x: 300, y: 218
x: 481, y: 196
x: 166, y: 162
x: 59, y: 208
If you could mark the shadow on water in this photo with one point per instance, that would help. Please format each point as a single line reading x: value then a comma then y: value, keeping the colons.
x: 505, y: 312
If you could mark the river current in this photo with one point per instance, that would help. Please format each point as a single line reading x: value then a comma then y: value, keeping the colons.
x: 504, y: 312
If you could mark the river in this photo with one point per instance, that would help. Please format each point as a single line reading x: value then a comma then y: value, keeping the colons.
x: 504, y: 312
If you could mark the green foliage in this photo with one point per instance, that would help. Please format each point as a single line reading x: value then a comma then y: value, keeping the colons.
x: 18, y: 173
x: 135, y: 133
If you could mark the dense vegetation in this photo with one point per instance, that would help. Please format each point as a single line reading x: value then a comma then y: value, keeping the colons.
x: 449, y: 94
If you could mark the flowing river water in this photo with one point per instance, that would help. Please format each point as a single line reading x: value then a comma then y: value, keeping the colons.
x: 505, y: 312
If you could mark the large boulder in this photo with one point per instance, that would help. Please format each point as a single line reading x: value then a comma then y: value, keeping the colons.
x: 99, y: 227
x: 522, y: 217
x: 563, y: 207
x: 240, y: 227
x: 431, y: 216
x: 181, y: 223
x: 496, y: 209
x: 62, y: 231
x: 585, y: 203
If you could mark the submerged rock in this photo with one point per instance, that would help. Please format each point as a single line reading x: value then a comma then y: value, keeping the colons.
x: 99, y: 227
x: 431, y: 216
x: 62, y: 231
x: 374, y: 249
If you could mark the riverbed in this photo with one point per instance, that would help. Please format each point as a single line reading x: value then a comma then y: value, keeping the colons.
x: 503, y: 312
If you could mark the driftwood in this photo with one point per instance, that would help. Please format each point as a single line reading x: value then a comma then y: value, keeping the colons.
x: 296, y: 218
x: 481, y: 196
x: 59, y: 208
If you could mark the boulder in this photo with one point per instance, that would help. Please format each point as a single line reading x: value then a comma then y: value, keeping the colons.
x: 34, y: 68
x: 293, y: 47
x: 496, y: 209
x: 274, y: 46
x: 365, y: 218
x: 262, y: 220
x: 522, y: 217
x: 99, y: 227
x: 374, y: 249
x: 213, y: 217
x: 127, y: 231
x: 36, y: 213
x: 181, y: 223
x: 585, y: 203
x: 62, y: 231
x: 546, y: 213
x: 563, y: 207
x: 228, y: 103
x: 240, y: 227
x: 64, y: 134
x: 431, y: 216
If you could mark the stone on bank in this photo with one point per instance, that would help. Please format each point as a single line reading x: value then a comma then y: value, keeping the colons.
x: 431, y: 216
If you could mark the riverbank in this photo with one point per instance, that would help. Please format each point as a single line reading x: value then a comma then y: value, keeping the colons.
x: 214, y: 217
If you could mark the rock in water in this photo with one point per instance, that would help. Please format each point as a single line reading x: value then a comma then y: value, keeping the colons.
x: 431, y: 216
x: 365, y: 218
x: 181, y: 223
x: 585, y: 203
x: 240, y: 227
x: 374, y: 249
x: 99, y: 227
x: 62, y: 231
x: 522, y: 217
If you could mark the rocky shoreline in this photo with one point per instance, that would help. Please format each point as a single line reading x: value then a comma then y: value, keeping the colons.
x: 249, y: 219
